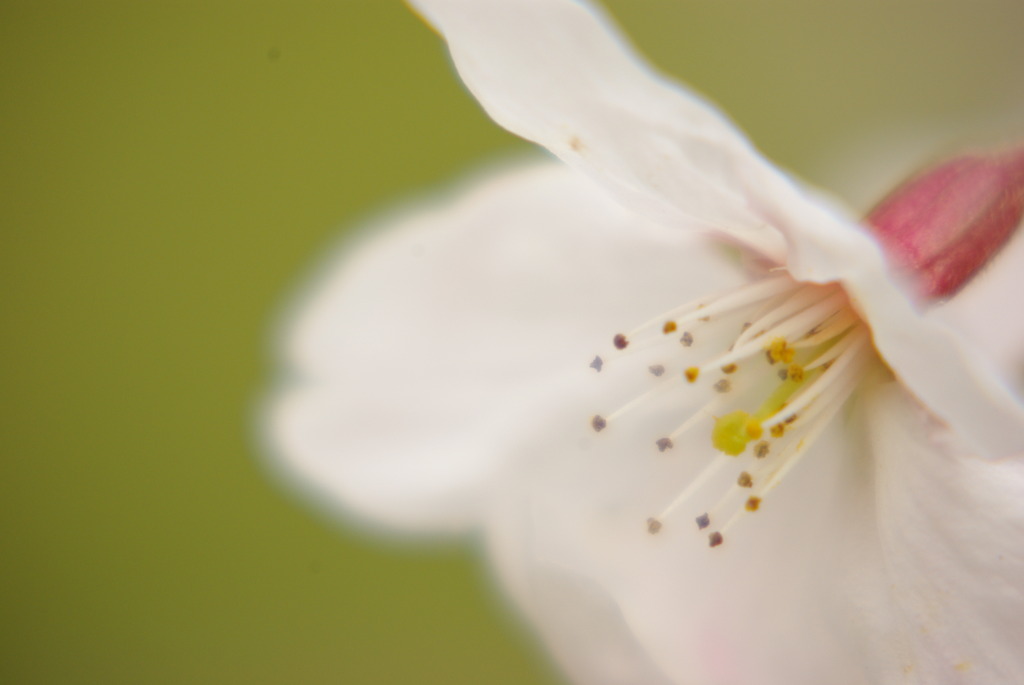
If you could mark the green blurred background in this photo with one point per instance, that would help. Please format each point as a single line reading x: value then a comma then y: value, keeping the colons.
x: 169, y: 172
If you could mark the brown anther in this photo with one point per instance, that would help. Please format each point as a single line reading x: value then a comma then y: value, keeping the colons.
x: 723, y: 385
x: 597, y: 364
x: 745, y: 480
x: 715, y: 539
x: 703, y: 521
x: 598, y: 423
x: 761, y: 449
x: 687, y: 339
x: 729, y: 368
x: 790, y: 419
x: 669, y: 327
x: 778, y: 430
x: 691, y: 373
x: 664, y: 444
x: 656, y: 370
x: 620, y: 341
x: 753, y: 503
x: 653, y: 525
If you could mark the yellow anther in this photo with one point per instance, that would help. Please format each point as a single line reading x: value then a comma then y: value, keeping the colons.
x: 778, y: 430
x: 754, y: 429
x: 795, y: 373
x: 691, y: 373
x: 778, y: 350
x: 753, y: 503
x: 669, y: 327
x: 729, y: 368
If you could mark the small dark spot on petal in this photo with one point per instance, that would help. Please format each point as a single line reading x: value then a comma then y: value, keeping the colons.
x: 598, y: 423
x: 703, y: 521
x: 656, y: 370
x: 664, y: 444
x: 653, y: 525
x: 783, y: 373
x: 687, y: 339
x: 715, y: 539
x: 745, y: 480
x: 753, y: 504
x: 729, y: 368
x: 761, y: 449
x: 620, y: 341
x: 597, y: 364
x: 723, y: 385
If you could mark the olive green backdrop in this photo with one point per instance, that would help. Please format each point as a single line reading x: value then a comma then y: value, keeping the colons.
x: 171, y: 169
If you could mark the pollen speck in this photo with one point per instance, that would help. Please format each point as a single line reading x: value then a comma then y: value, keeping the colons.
x: 598, y: 423
x: 664, y: 444
x: 745, y: 480
x: 703, y: 521
x: 687, y: 339
x: 669, y: 327
x: 778, y: 430
x: 597, y: 364
x: 761, y: 449
x: 620, y: 341
x: 753, y: 504
x: 729, y: 368
x: 691, y: 373
x: 715, y: 539
x: 653, y: 525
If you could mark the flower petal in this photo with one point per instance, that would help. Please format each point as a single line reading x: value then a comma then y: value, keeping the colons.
x: 950, y: 527
x: 759, y: 610
x: 985, y: 311
x: 423, y: 352
x: 557, y: 73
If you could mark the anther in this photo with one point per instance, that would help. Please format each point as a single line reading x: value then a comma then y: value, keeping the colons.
x: 753, y: 503
x: 745, y: 480
x: 729, y: 368
x: 691, y: 373
x: 778, y: 430
x: 687, y: 339
x: 620, y: 341
x: 703, y: 521
x: 664, y: 444
x: 795, y: 373
x: 715, y: 539
x: 598, y: 423
x: 597, y: 364
x: 653, y: 525
x: 656, y: 370
x: 669, y: 327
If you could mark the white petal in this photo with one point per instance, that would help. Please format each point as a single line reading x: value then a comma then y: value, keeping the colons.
x: 555, y: 72
x: 986, y: 312
x: 423, y: 352
x: 950, y: 527
x: 759, y: 610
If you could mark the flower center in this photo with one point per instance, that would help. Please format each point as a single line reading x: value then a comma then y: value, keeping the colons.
x: 784, y: 358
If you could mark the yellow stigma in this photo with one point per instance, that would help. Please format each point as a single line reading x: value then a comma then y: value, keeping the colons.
x: 733, y: 431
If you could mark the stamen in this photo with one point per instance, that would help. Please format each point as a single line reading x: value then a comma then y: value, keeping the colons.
x: 800, y: 347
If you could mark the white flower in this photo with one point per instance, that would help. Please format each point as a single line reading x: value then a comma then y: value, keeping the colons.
x: 441, y: 385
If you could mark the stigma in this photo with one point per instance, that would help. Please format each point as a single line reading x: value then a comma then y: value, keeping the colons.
x: 768, y: 364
